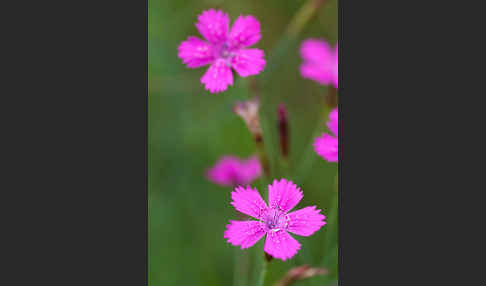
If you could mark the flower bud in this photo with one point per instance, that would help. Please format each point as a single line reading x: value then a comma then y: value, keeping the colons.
x: 248, y: 111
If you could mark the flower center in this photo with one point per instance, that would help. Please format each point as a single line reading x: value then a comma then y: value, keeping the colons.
x: 275, y: 220
x: 224, y: 52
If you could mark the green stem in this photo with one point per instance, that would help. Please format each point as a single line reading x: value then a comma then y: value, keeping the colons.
x: 263, y: 272
x: 241, y: 268
x: 304, y: 14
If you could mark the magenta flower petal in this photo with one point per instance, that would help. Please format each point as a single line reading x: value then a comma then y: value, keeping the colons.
x: 335, y: 64
x: 283, y: 195
x: 320, y: 62
x: 249, y: 202
x: 244, y: 233
x: 326, y: 146
x: 250, y: 170
x: 305, y: 221
x: 315, y: 50
x: 213, y: 25
x: 332, y: 124
x: 248, y: 62
x: 280, y: 244
x: 317, y: 73
x: 245, y: 32
x: 225, y: 172
x: 217, y: 77
x: 231, y: 171
x: 195, y: 52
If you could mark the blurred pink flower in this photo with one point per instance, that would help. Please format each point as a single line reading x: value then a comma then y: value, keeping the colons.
x: 272, y: 220
x: 232, y: 171
x: 224, y: 49
x: 320, y: 62
x: 327, y: 145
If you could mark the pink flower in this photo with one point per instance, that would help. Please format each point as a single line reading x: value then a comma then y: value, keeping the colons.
x: 327, y: 145
x: 224, y: 49
x: 273, y: 220
x: 320, y: 62
x: 232, y: 171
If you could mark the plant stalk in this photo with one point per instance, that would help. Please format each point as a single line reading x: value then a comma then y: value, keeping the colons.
x: 263, y: 272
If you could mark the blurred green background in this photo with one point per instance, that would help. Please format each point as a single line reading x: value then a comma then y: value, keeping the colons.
x: 190, y: 129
